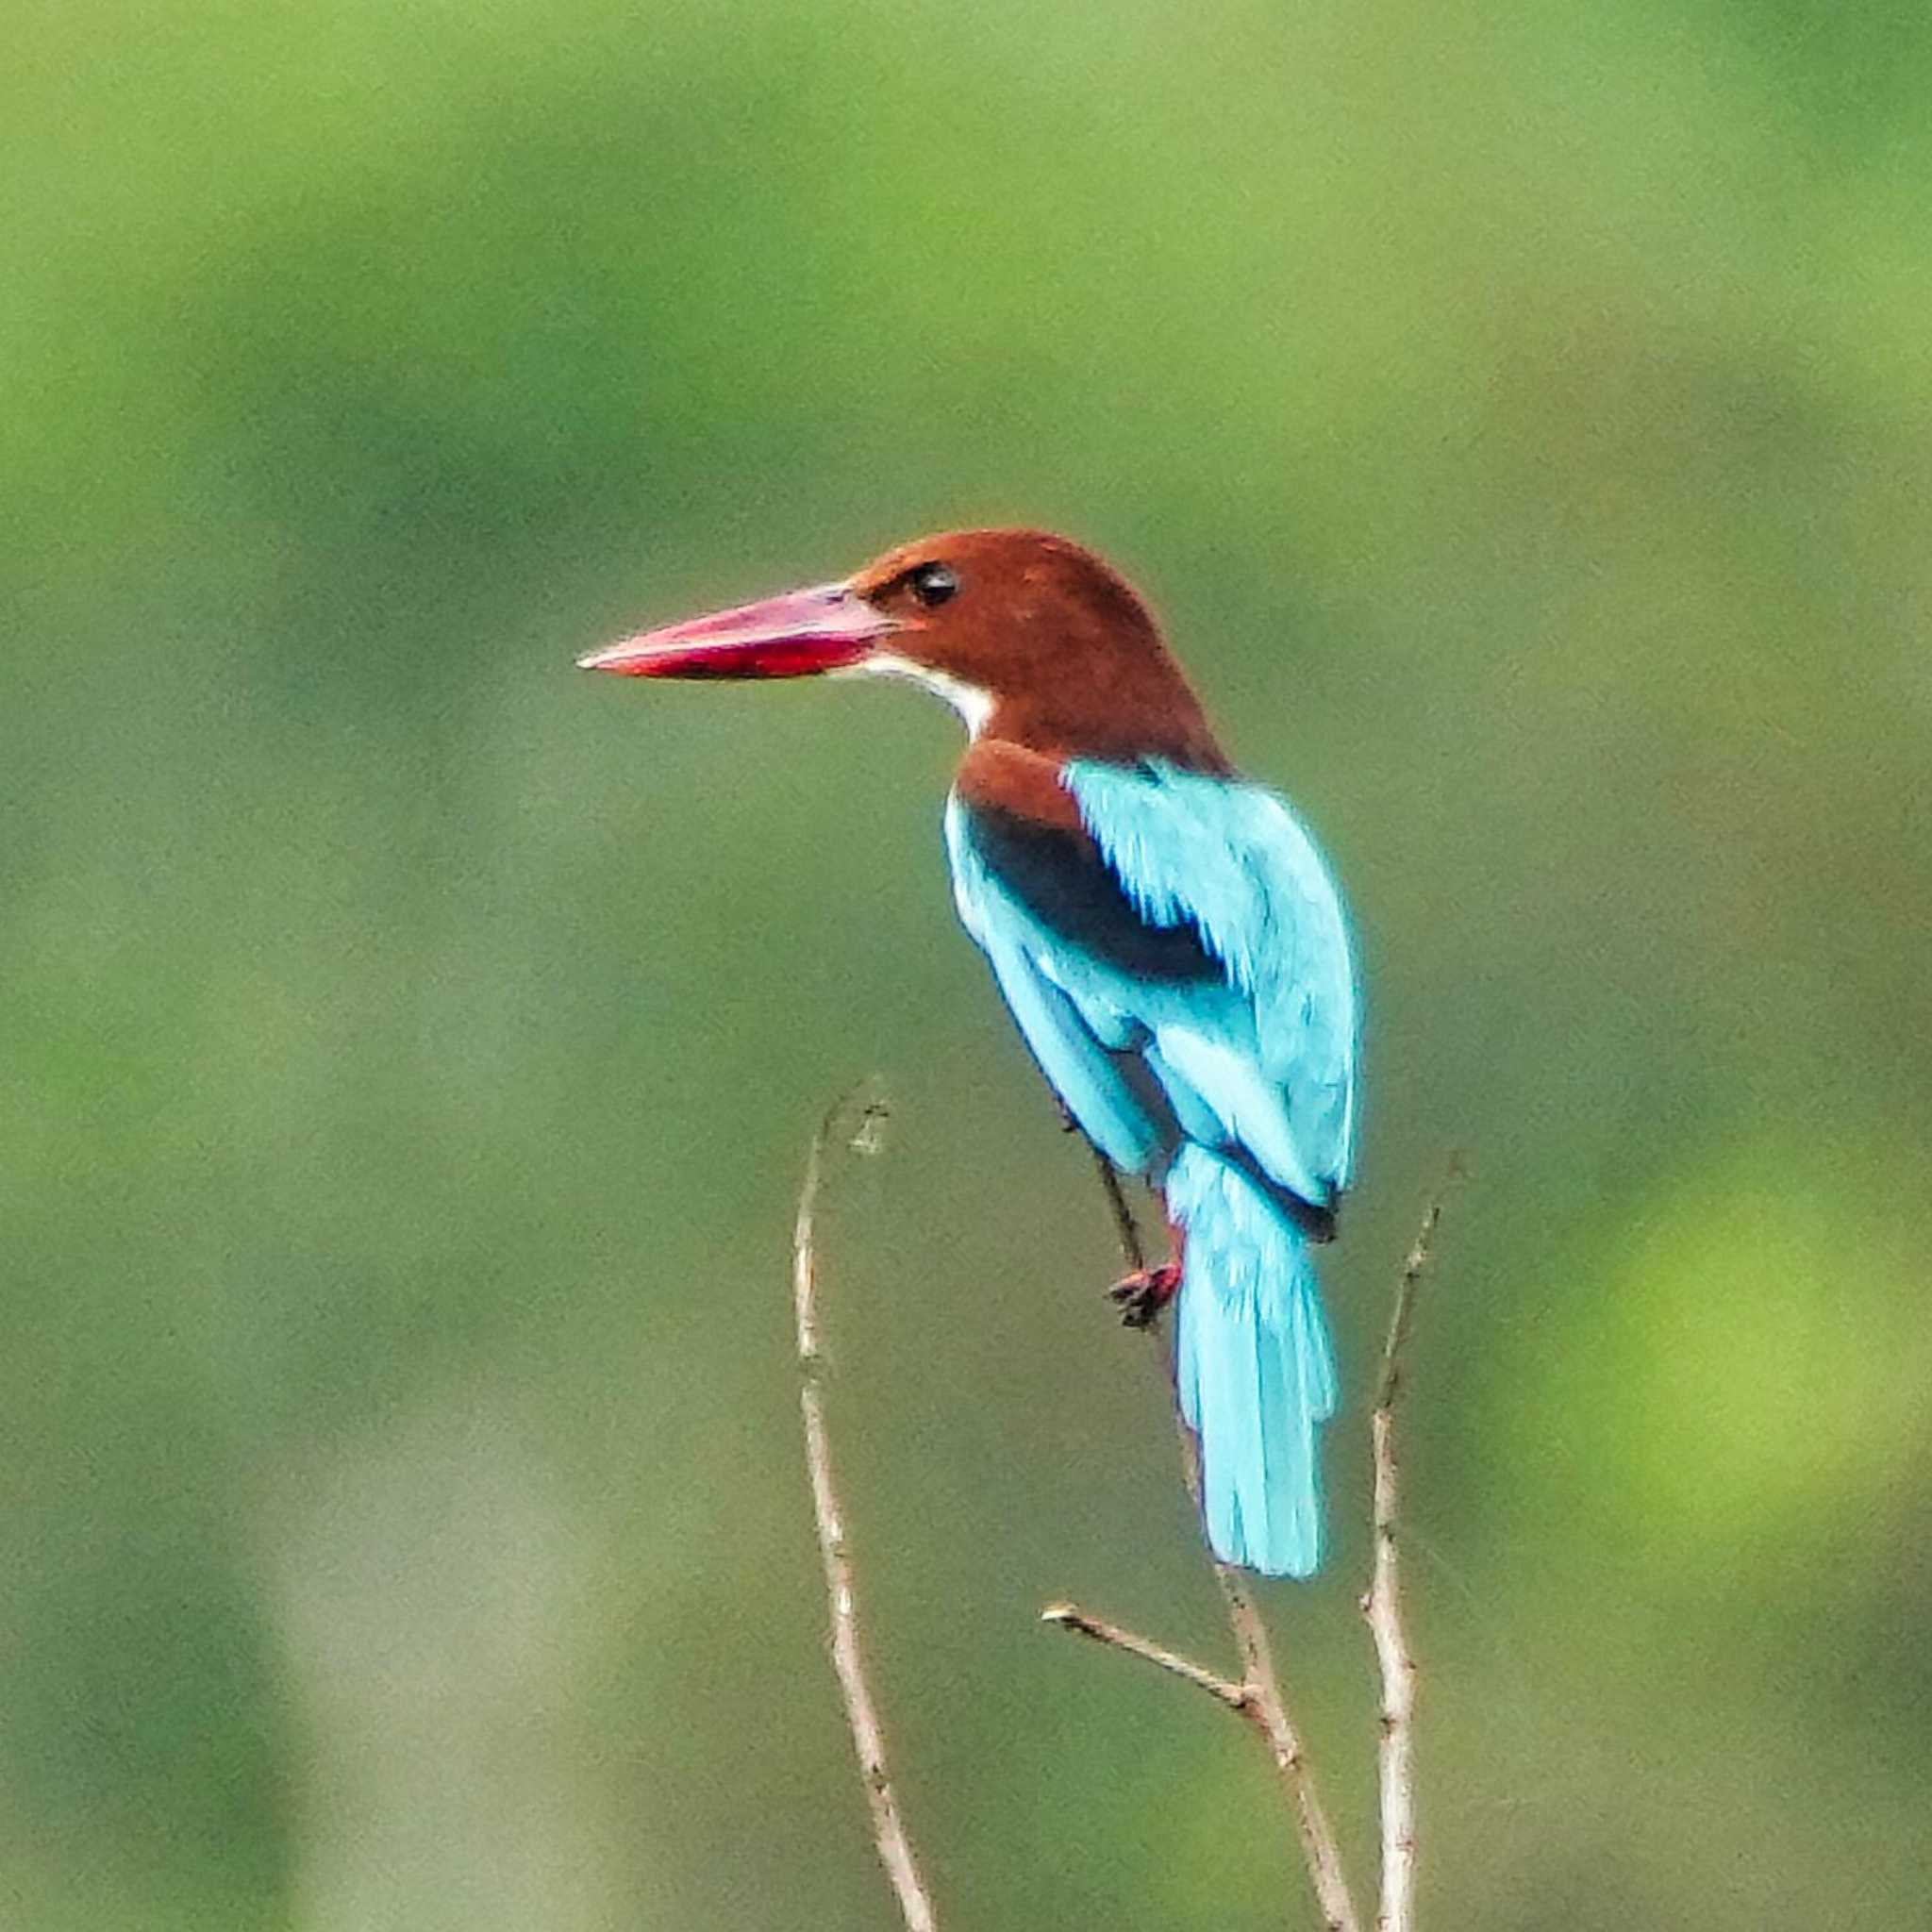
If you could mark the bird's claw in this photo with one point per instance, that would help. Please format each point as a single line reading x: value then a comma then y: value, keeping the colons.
x: 1141, y: 1295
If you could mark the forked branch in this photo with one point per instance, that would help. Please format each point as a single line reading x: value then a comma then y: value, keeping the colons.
x: 1257, y: 1697
x: 1254, y: 1696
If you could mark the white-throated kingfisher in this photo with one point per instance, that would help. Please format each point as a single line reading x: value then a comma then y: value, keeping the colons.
x: 1168, y: 938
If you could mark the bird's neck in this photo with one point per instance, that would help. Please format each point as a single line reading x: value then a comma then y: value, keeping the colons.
x: 1028, y: 782
x: 1164, y: 721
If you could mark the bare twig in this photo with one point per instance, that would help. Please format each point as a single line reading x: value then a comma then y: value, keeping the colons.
x: 1283, y: 1738
x: 862, y: 1713
x: 1072, y: 1617
x: 1125, y: 1227
x: 1259, y: 1699
x: 1382, y: 1607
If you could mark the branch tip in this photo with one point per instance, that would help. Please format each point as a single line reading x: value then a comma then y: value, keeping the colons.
x: 1084, y: 1624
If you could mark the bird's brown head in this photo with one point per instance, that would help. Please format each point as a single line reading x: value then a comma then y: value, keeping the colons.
x: 1032, y: 639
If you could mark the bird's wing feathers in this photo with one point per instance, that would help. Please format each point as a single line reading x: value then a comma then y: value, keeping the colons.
x: 1193, y: 932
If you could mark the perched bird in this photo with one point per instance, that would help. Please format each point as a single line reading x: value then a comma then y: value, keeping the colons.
x: 1166, y: 933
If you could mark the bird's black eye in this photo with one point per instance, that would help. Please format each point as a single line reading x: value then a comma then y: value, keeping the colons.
x: 932, y: 584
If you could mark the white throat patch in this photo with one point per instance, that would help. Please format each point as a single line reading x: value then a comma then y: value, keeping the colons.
x: 973, y: 705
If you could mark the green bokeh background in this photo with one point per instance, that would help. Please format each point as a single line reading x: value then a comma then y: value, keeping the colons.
x: 1523, y: 417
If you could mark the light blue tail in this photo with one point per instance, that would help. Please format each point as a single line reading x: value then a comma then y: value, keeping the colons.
x: 1254, y: 1364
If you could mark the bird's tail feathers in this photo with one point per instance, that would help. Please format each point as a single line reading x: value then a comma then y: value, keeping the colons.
x: 1255, y: 1368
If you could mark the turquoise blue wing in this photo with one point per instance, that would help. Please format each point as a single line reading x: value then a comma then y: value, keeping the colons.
x: 1273, y: 1060
x: 1251, y: 1046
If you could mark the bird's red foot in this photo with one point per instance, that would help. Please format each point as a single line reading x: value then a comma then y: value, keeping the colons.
x: 1141, y: 1295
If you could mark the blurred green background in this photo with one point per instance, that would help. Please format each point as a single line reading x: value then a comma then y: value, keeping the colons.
x: 1523, y: 417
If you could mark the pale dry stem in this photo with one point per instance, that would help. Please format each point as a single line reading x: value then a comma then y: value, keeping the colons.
x: 848, y: 1660
x: 1382, y: 1607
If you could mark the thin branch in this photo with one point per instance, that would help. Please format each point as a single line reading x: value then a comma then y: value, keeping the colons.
x: 1402, y: 1318
x: 1283, y: 1738
x: 862, y: 1713
x: 1072, y: 1617
x: 1126, y: 1229
x: 1261, y: 1699
x: 1382, y: 1607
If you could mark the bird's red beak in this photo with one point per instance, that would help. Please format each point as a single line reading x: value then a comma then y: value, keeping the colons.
x: 797, y: 634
